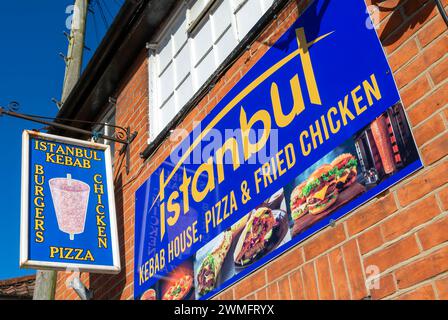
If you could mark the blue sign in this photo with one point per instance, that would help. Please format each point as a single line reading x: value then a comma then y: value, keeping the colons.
x: 68, y: 206
x: 312, y: 131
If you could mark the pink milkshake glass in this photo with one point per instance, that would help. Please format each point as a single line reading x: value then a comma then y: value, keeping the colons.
x: 70, y: 200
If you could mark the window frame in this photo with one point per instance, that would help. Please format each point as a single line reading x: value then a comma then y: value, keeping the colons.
x: 193, y: 22
x: 166, y: 31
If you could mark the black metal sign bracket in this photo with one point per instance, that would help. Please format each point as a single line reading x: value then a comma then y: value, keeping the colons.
x: 121, y: 135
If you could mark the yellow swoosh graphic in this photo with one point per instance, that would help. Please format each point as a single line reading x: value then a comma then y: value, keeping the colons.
x: 235, y: 101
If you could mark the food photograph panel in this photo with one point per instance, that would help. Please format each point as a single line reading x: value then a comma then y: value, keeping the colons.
x: 309, y: 166
x: 359, y: 165
x: 177, y: 285
x: 373, y: 159
x: 255, y: 235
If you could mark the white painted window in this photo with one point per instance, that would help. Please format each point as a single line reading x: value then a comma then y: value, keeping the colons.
x: 196, y: 40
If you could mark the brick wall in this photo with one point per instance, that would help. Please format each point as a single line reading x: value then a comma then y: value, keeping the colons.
x: 401, y: 233
x: 132, y: 110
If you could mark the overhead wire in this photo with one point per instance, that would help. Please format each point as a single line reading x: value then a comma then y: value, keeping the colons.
x: 103, y: 15
x: 95, y: 26
x: 106, y: 9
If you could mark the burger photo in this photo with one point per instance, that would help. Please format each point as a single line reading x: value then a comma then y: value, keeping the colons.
x: 346, y: 167
x: 298, y: 204
x: 321, y: 191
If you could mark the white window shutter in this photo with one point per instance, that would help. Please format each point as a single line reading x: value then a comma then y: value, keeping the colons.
x: 180, y: 35
x: 204, y: 69
x: 247, y: 15
x: 182, y: 65
x: 165, y: 55
x: 202, y: 41
x: 187, y: 55
x: 166, y: 86
x: 184, y: 92
x: 225, y: 45
x: 221, y: 19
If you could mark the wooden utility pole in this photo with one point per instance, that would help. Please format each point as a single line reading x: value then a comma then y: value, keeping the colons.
x: 75, y: 48
x: 46, y: 280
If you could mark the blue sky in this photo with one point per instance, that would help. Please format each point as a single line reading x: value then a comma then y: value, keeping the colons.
x: 31, y: 72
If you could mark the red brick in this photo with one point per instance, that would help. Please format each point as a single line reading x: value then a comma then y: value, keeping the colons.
x: 423, y: 293
x: 431, y: 31
x: 423, y: 269
x: 439, y: 72
x: 228, y: 86
x: 415, y: 91
x: 435, y: 150
x: 371, y: 213
x: 443, y: 196
x: 403, y: 55
x: 284, y: 264
x: 434, y: 234
x: 262, y: 294
x: 250, y: 298
x: 429, y: 105
x: 417, y: 66
x: 392, y: 39
x: 354, y: 270
x: 284, y: 289
x: 386, y: 8
x: 429, y: 129
x: 442, y: 288
x: 227, y: 295
x: 398, y: 252
x: 273, y: 293
x: 324, y: 278
x: 324, y: 241
x: 387, y: 286
x: 370, y: 240
x: 250, y: 284
x: 426, y: 27
x: 412, y: 6
x: 310, y: 282
x: 423, y: 184
x: 296, y: 281
x: 410, y: 218
x: 342, y: 290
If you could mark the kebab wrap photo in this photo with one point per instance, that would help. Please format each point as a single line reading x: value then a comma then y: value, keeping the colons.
x: 255, y: 236
x: 212, y: 264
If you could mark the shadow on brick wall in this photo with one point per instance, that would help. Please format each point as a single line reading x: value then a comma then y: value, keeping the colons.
x: 406, y: 15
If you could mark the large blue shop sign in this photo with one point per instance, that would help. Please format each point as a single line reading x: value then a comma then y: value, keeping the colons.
x: 315, y: 129
x: 68, y: 207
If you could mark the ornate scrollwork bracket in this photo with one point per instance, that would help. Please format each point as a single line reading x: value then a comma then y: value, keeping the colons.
x: 121, y: 135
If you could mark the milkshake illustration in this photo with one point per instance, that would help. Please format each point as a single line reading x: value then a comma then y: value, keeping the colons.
x: 70, y: 200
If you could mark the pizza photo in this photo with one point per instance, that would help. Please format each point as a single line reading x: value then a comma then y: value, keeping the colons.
x: 180, y: 289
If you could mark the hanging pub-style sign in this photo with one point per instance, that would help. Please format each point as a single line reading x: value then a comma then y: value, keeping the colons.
x: 68, y: 219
